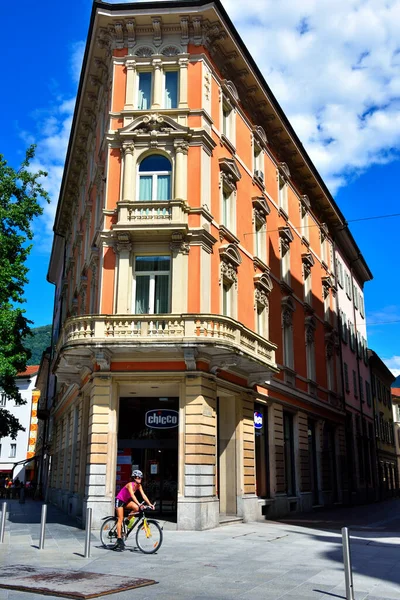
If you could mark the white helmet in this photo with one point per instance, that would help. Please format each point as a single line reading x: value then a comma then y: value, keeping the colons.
x: 137, y: 473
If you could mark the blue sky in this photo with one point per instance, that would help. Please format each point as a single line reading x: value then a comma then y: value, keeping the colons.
x: 333, y: 66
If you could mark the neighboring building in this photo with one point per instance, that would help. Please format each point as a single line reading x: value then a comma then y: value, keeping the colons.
x: 43, y: 383
x: 381, y: 380
x: 15, y: 454
x: 396, y: 423
x: 351, y: 274
x: 195, y: 325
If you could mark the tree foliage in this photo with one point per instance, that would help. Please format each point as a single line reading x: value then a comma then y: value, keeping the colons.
x: 20, y: 193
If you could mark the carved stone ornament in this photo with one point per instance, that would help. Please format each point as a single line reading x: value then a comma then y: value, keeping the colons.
x: 288, y: 308
x: 189, y: 356
x: 329, y: 349
x: 261, y: 298
x: 307, y: 260
x: 181, y: 146
x: 184, y: 30
x: 130, y: 28
x: 260, y: 135
x: 263, y: 282
x: 157, y: 35
x: 197, y: 31
x: 229, y: 86
x: 179, y: 243
x: 287, y: 318
x: 284, y: 170
x: 153, y: 124
x: 261, y: 208
x: 324, y: 231
x: 228, y: 272
x: 230, y: 254
x: 170, y: 51
x: 145, y: 52
x: 311, y: 326
x: 286, y: 238
x: 230, y: 172
x: 103, y: 359
x: 327, y: 285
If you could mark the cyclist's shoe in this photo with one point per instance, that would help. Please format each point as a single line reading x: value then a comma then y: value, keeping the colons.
x: 120, y: 545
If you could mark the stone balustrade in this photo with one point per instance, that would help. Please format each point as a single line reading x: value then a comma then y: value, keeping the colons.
x: 186, y: 330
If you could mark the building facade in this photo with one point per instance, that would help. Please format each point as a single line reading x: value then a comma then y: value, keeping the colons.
x: 381, y: 380
x: 396, y: 424
x: 351, y: 275
x: 15, y: 454
x: 195, y: 323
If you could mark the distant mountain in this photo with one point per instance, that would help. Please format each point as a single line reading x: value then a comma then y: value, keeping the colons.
x: 38, y: 342
x: 396, y: 382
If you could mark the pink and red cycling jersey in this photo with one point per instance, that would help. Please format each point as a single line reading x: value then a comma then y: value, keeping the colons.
x: 124, y: 495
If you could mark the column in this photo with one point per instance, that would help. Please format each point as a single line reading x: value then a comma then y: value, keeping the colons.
x: 101, y: 449
x: 127, y: 192
x: 157, y: 93
x: 198, y: 506
x: 183, y: 83
x: 130, y: 66
x: 124, y: 248
x: 181, y: 151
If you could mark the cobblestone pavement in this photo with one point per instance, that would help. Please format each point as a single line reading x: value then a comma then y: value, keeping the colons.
x: 263, y: 561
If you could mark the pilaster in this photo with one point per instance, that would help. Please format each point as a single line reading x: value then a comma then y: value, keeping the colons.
x: 101, y: 449
x: 130, y: 66
x: 199, y: 508
x: 127, y: 192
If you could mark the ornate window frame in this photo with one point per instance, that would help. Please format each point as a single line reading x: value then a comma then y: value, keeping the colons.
x: 230, y: 260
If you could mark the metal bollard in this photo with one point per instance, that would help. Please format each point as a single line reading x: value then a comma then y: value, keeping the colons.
x: 42, y: 527
x: 348, y: 572
x: 88, y: 531
x: 22, y: 495
x: 3, y: 521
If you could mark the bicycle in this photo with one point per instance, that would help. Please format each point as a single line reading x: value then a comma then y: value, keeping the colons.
x: 149, y: 534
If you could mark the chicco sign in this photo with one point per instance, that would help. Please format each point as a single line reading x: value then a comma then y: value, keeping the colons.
x: 161, y: 418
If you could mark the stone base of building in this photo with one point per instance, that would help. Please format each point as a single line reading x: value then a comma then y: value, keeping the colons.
x: 278, y: 507
x: 248, y: 507
x: 198, y: 513
x: 101, y: 507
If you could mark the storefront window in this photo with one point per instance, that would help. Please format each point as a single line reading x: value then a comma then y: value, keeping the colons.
x: 148, y: 440
x: 289, y: 454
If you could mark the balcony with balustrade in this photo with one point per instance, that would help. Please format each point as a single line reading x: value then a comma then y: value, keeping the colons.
x: 221, y: 341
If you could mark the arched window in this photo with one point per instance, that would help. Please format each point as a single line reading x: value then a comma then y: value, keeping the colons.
x: 155, y: 178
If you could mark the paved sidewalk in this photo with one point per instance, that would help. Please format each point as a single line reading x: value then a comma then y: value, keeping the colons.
x: 250, y: 561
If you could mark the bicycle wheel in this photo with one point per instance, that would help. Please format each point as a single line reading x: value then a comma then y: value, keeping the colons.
x: 108, y: 533
x: 149, y: 537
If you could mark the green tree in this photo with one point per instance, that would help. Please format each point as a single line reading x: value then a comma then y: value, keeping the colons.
x: 20, y: 192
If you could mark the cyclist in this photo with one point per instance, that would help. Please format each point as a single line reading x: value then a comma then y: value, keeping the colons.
x: 126, y: 498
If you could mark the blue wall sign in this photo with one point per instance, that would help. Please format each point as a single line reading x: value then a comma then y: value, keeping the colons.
x: 258, y: 420
x: 161, y: 418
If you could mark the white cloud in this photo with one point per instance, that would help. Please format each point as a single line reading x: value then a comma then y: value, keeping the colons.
x: 393, y: 364
x: 78, y: 49
x: 334, y: 68
x: 53, y: 126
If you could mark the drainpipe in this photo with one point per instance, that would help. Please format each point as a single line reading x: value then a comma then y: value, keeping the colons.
x: 349, y: 447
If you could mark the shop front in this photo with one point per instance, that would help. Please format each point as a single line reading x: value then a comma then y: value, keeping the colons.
x: 148, y: 440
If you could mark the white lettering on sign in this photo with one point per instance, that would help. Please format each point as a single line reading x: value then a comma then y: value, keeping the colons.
x: 161, y: 419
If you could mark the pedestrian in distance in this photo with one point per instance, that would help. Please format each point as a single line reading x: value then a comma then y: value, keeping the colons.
x: 126, y: 499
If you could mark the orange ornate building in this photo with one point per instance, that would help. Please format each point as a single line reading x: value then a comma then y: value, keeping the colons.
x: 195, y: 322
